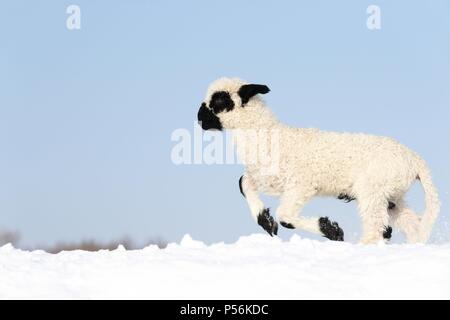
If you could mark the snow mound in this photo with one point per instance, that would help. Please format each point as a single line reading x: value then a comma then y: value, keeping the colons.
x: 255, y: 267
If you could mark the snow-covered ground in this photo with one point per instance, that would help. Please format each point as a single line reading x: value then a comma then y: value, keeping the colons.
x: 255, y: 267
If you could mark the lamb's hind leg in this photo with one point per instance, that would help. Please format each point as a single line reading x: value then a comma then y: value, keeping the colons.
x: 260, y: 214
x: 406, y: 220
x: 373, y: 209
x: 290, y: 205
x: 387, y: 234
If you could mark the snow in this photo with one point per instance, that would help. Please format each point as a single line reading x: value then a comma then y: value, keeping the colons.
x: 255, y: 267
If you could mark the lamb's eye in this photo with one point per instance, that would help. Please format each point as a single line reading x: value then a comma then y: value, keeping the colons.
x: 221, y: 101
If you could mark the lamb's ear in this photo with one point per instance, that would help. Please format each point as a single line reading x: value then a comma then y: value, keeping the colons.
x: 247, y: 91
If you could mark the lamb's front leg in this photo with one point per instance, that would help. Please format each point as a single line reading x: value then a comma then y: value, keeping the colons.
x: 290, y: 205
x: 259, y: 213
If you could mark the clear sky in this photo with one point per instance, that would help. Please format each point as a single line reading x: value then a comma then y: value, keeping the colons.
x: 86, y: 115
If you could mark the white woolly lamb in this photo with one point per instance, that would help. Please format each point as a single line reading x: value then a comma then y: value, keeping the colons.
x: 375, y: 171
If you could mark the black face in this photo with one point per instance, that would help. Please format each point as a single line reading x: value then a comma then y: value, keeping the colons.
x: 220, y: 102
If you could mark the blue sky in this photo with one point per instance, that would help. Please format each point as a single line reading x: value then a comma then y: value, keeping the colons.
x: 86, y: 115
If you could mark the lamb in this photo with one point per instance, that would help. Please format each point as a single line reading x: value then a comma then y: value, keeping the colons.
x: 375, y: 171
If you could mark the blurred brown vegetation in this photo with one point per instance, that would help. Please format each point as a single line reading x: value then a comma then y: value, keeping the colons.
x: 86, y: 245
x: 9, y: 237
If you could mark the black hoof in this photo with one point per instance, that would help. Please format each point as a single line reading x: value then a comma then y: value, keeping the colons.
x: 387, y: 234
x: 287, y: 225
x: 331, y: 230
x: 266, y: 221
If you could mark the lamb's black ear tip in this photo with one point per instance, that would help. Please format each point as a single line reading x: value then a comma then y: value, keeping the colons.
x: 266, y: 89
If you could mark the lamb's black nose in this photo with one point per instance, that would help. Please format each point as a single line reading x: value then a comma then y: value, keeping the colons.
x: 201, y: 112
x: 208, y: 120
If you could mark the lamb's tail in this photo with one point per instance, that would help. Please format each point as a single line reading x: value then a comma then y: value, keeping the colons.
x: 432, y: 203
